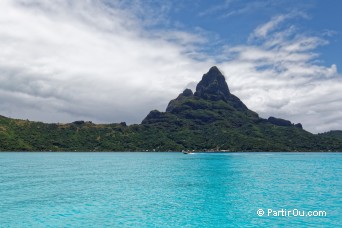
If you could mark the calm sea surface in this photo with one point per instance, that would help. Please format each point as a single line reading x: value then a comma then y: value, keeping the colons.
x: 169, y: 189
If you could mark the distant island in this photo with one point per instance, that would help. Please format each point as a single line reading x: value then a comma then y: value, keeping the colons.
x: 211, y: 119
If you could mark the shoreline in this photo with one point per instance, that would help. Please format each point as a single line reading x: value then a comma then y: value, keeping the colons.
x: 192, y: 152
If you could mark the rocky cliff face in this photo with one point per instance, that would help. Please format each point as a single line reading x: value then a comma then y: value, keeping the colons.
x: 212, y: 101
x: 283, y: 123
x: 213, y: 86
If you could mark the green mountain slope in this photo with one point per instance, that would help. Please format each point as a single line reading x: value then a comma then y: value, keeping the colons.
x: 210, y: 119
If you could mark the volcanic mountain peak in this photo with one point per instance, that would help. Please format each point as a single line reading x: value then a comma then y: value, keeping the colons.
x: 213, y: 86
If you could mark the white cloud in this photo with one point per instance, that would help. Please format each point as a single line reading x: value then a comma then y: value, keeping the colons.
x: 279, y: 77
x: 65, y: 60
x: 263, y: 30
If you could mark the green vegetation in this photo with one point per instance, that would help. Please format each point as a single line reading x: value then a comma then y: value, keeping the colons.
x: 211, y: 119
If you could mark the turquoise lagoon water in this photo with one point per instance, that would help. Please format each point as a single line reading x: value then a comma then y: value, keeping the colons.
x: 168, y: 189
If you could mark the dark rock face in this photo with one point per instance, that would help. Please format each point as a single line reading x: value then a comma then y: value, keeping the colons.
x: 283, y: 123
x: 213, y: 86
x: 279, y: 122
x: 187, y: 93
x: 78, y: 122
x: 299, y: 125
x: 212, y: 101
